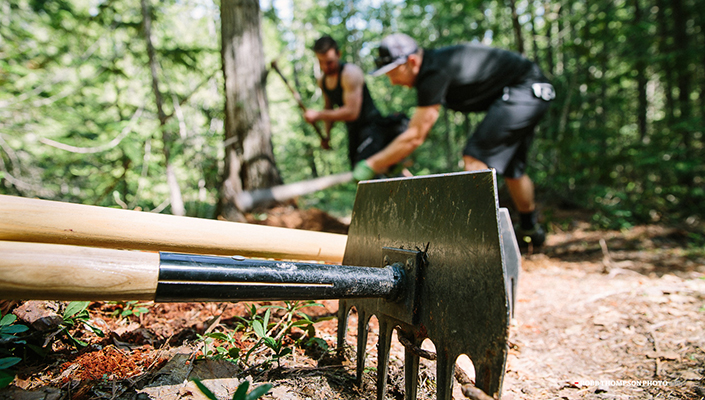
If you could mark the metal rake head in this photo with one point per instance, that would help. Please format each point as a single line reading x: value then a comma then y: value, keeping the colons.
x: 445, y: 230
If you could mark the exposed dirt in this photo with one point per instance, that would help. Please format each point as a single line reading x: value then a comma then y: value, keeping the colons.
x: 599, y: 315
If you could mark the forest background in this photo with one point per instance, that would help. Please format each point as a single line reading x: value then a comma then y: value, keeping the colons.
x: 121, y: 103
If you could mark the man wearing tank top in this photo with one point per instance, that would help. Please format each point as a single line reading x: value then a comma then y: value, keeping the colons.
x: 472, y: 78
x: 347, y: 99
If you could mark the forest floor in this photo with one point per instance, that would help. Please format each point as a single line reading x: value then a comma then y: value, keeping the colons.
x: 599, y: 315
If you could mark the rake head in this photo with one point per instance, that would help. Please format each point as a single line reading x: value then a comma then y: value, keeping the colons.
x: 445, y: 230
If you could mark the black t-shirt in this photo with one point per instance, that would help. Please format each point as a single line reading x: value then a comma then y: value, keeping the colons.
x: 467, y: 77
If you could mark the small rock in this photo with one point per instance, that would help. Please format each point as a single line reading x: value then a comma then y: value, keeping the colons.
x: 42, y: 315
x: 601, y: 389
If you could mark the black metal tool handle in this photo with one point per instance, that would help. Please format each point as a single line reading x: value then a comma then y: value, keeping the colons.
x: 188, y: 277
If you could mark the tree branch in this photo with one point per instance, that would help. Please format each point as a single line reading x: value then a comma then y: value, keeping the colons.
x: 98, y: 149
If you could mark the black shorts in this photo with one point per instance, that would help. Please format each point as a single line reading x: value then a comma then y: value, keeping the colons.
x: 503, y: 138
x: 370, y: 139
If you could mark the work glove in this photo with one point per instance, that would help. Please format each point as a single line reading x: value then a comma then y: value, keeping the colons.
x: 363, y: 172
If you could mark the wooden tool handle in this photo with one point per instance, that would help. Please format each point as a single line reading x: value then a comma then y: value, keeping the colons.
x: 324, y: 139
x: 32, y: 220
x: 40, y: 271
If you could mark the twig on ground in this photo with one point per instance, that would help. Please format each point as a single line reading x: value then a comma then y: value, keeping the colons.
x: 606, y: 258
x: 657, y: 370
x: 467, y: 385
x: 462, y: 377
x: 429, y: 355
x: 473, y: 393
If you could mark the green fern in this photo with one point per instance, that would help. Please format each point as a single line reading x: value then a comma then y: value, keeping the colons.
x: 240, y: 393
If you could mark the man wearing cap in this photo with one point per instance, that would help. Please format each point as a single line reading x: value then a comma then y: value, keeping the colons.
x: 471, y: 78
x: 347, y: 99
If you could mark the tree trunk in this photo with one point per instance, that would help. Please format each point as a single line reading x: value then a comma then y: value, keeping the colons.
x: 177, y: 203
x: 701, y: 67
x: 666, y: 66
x: 534, y: 34
x: 249, y: 159
x: 517, y: 27
x: 683, y: 69
x: 550, y: 18
x: 641, y: 79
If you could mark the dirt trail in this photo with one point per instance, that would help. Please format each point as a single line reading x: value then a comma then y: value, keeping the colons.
x: 583, y: 333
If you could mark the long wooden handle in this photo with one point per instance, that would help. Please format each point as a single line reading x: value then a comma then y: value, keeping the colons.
x: 41, y: 271
x: 297, y: 97
x: 33, y: 220
x: 293, y: 91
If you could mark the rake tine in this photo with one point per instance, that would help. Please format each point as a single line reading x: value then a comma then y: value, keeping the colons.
x: 444, y: 374
x: 489, y: 374
x: 362, y: 330
x: 383, y: 344
x: 343, y: 310
x: 411, y: 368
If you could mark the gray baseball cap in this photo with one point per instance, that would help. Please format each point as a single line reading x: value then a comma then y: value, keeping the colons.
x: 393, y: 51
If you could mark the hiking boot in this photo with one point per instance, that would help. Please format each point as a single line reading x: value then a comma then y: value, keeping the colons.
x: 534, y: 237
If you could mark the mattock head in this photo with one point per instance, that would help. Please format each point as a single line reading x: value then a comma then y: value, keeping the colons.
x: 459, y: 300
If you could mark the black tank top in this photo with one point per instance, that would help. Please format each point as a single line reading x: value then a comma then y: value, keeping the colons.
x: 368, y: 111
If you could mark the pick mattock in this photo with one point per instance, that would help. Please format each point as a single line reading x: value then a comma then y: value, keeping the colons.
x: 423, y: 254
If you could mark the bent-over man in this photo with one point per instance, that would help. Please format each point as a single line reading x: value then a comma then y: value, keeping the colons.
x: 471, y: 78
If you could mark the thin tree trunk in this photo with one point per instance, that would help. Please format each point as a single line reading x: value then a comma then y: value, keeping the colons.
x: 701, y: 67
x: 605, y: 56
x: 561, y: 24
x: 666, y: 66
x: 641, y: 79
x: 534, y: 33
x: 177, y: 203
x: 682, y: 68
x: 517, y: 27
x: 549, y: 17
x: 249, y: 158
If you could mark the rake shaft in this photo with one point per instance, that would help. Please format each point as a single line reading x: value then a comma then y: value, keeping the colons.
x: 185, y: 277
x: 50, y: 271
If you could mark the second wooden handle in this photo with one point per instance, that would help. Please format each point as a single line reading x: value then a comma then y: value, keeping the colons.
x: 39, y: 271
x: 32, y: 220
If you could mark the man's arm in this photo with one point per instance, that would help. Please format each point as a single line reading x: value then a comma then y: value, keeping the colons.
x: 351, y: 82
x: 420, y: 125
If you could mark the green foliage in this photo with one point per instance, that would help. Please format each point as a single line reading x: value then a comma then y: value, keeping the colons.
x: 74, y: 316
x: 240, y: 393
x: 624, y: 137
x: 77, y: 108
x: 126, y: 308
x: 8, y: 338
x: 6, y: 376
x: 8, y: 329
x: 269, y: 335
x: 227, y: 351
